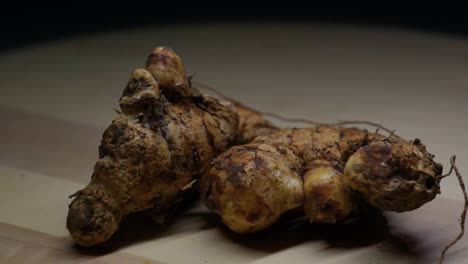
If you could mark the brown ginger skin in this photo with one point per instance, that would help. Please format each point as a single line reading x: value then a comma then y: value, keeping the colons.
x: 394, y: 175
x: 250, y: 186
x: 164, y: 139
x: 336, y: 165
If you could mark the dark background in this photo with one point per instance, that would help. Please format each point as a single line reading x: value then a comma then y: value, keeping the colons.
x: 22, y: 23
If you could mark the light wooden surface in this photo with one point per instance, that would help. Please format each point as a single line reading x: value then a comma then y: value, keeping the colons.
x: 19, y: 245
x: 56, y: 99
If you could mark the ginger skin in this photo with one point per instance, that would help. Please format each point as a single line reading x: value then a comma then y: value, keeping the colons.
x: 337, y: 166
x: 164, y: 139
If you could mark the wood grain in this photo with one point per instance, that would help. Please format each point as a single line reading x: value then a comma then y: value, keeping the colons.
x: 19, y: 245
x: 48, y: 145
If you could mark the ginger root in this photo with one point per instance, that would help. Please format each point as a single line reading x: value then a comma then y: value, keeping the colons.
x: 164, y: 139
x: 251, y: 186
x: 168, y: 135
